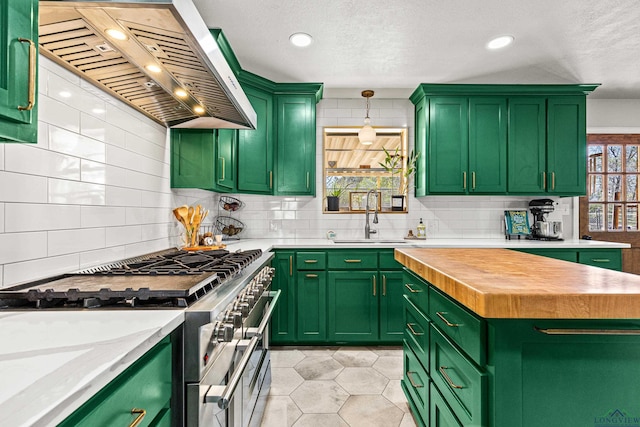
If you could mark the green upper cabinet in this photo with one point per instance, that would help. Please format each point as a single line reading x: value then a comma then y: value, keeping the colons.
x: 296, y: 142
x: 225, y: 169
x: 501, y: 139
x: 256, y: 147
x: 18, y: 71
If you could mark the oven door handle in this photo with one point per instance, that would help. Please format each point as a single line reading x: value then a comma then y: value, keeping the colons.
x: 222, y: 394
x: 275, y: 296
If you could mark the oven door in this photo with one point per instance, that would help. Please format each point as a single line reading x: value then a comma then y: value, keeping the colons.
x: 234, y: 398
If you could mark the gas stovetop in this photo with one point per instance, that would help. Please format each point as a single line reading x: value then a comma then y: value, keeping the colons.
x: 173, y: 278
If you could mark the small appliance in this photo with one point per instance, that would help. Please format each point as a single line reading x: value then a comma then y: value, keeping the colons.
x: 542, y: 228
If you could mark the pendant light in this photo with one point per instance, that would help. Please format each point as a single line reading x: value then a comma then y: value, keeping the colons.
x: 367, y: 134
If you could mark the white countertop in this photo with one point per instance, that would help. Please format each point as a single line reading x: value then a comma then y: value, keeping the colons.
x: 51, y: 362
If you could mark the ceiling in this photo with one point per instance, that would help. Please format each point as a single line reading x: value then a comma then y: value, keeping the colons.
x: 392, y: 46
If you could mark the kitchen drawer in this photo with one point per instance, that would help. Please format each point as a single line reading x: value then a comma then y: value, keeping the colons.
x: 144, y: 385
x: 416, y: 332
x: 388, y: 262
x: 463, y: 328
x: 441, y: 414
x: 311, y: 260
x: 611, y: 259
x: 415, y: 381
x: 416, y: 290
x: 462, y: 385
x: 353, y: 260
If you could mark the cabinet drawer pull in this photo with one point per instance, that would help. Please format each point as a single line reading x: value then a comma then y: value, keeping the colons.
x: 310, y: 261
x: 374, y: 284
x: 31, y: 94
x: 600, y: 260
x: 291, y: 265
x: 270, y: 179
x: 222, y: 178
x: 141, y: 413
x: 464, y: 180
x: 544, y: 180
x: 413, y: 291
x: 553, y: 180
x: 311, y: 276
x: 567, y: 331
x: 440, y: 315
x: 473, y: 180
x: 352, y: 261
x: 307, y: 180
x: 417, y: 334
x: 443, y: 371
x: 410, y: 377
x: 384, y: 285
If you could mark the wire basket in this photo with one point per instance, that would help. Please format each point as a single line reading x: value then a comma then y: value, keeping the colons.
x: 230, y: 204
x: 228, y: 226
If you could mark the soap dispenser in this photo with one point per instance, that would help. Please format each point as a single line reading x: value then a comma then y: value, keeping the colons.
x: 422, y: 230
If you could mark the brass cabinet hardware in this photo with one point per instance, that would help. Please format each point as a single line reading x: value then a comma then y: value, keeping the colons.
x: 351, y: 261
x: 270, y: 179
x: 600, y: 260
x: 222, y: 178
x: 413, y: 291
x: 473, y: 180
x: 440, y: 315
x: 570, y: 331
x: 310, y: 261
x: 311, y: 276
x: 291, y: 266
x: 141, y: 414
x: 413, y: 384
x: 443, y: 371
x: 464, y: 180
x: 307, y: 180
x: 544, y: 180
x: 374, y: 284
x: 410, y: 326
x: 384, y: 285
x: 553, y: 180
x: 31, y: 95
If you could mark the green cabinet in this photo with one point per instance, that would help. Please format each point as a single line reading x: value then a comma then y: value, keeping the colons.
x: 311, y: 289
x: 283, y: 322
x: 296, y: 145
x: 391, y: 306
x: 145, y: 385
x: 352, y: 306
x: 18, y: 71
x: 421, y: 123
x: 605, y: 258
x: 226, y: 152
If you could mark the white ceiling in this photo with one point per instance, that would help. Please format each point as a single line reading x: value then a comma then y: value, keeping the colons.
x: 392, y: 46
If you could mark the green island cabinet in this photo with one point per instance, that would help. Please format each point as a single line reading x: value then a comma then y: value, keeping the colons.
x: 501, y: 139
x: 145, y: 385
x: 597, y: 257
x: 464, y: 370
x: 337, y: 297
x: 19, y: 71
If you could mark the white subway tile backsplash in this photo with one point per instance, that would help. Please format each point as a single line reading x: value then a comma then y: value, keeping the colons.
x: 117, y: 236
x: 119, y: 196
x: 35, y: 161
x: 40, y: 268
x: 126, y: 159
x: 16, y: 247
x: 65, y: 141
x: 76, y: 193
x: 21, y: 217
x: 45, y: 64
x: 94, y: 172
x: 2, y: 156
x: 101, y: 256
x: 102, y: 216
x: 56, y: 113
x: 16, y: 187
x: 100, y: 130
x: 2, y: 217
x: 145, y: 148
x: 75, y: 241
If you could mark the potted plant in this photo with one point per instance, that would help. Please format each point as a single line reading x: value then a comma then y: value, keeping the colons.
x: 338, y: 187
x: 393, y: 164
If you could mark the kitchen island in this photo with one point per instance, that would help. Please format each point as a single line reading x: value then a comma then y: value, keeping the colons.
x: 502, y: 338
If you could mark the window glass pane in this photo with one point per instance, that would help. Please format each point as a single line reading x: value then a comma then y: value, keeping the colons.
x: 614, y: 217
x: 614, y: 187
x: 632, y: 158
x: 632, y: 217
x: 596, y: 217
x: 595, y: 158
x: 614, y: 158
x: 596, y: 191
x: 632, y: 187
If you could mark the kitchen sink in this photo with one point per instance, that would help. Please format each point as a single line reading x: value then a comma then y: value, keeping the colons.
x: 371, y: 241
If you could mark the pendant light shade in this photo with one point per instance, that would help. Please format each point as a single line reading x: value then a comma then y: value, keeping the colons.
x: 367, y: 135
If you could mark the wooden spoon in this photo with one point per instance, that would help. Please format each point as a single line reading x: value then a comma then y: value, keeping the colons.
x: 182, y: 211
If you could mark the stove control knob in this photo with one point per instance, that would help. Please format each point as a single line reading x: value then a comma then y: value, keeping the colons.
x: 234, y: 318
x: 258, y: 288
x: 242, y: 308
x: 223, y: 332
x: 249, y: 299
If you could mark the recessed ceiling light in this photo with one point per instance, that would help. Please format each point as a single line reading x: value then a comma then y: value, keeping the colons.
x: 153, y: 68
x: 300, y: 39
x: 198, y: 109
x: 180, y: 93
x: 116, y: 34
x: 500, y: 42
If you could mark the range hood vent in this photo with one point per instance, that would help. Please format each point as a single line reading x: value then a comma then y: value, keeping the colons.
x: 192, y: 84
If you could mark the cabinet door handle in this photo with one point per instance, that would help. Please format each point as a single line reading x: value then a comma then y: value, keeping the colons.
x: 31, y: 94
x: 310, y: 261
x: 141, y: 413
x: 307, y: 180
x: 413, y: 291
x: 384, y: 285
x: 352, y: 261
x: 311, y: 276
x: 417, y: 334
x: 374, y: 285
x: 291, y: 266
x: 270, y: 179
x: 544, y: 180
x: 600, y: 260
x: 473, y: 180
x: 413, y: 384
x: 222, y: 178
x: 440, y: 315
x: 568, y: 331
x: 553, y: 180
x: 464, y: 180
x: 443, y: 371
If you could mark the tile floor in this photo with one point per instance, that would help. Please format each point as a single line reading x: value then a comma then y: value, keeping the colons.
x: 336, y: 386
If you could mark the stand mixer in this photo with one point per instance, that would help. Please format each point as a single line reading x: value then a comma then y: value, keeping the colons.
x: 542, y: 228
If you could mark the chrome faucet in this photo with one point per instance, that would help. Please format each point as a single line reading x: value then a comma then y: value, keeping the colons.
x: 367, y: 230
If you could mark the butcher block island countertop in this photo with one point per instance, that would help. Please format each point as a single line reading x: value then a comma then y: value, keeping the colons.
x: 505, y: 284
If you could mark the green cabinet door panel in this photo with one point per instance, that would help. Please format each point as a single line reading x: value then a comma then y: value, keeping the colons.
x: 391, y: 306
x: 18, y: 75
x: 192, y: 158
x: 353, y: 306
x: 296, y: 142
x: 283, y: 321
x: 563, y: 254
x: 527, y: 145
x: 566, y: 145
x: 421, y: 132
x: 448, y: 145
x: 256, y: 147
x: 440, y: 415
x: 487, y: 145
x: 147, y: 384
x: 312, y: 306
x: 226, y: 143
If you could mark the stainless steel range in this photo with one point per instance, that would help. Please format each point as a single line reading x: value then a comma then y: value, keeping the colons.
x: 228, y: 304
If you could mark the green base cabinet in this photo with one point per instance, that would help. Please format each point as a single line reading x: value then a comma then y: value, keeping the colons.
x: 311, y: 288
x: 18, y: 71
x: 604, y: 258
x: 391, y: 306
x: 353, y: 306
x: 283, y: 322
x: 147, y: 384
